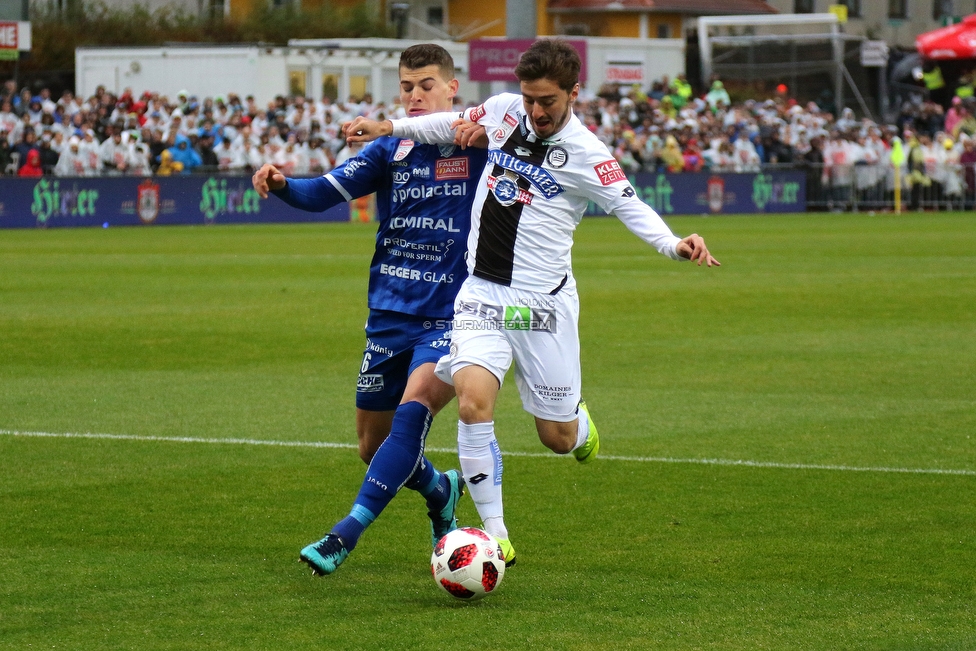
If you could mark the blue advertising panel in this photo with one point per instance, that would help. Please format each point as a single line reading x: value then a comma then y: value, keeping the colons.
x: 719, y: 194
x: 50, y: 202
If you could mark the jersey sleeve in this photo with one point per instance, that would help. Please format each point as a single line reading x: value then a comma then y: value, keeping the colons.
x: 644, y: 222
x: 606, y: 184
x: 486, y: 114
x: 433, y: 129
x: 356, y: 177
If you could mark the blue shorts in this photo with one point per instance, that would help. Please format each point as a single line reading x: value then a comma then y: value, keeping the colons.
x: 396, y: 344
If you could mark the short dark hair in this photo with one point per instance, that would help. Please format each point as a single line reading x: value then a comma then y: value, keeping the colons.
x: 552, y: 59
x: 428, y: 54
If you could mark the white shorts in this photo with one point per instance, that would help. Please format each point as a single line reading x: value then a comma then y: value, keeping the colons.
x: 494, y: 325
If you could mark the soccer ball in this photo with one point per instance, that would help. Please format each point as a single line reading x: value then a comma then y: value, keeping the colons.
x: 467, y: 563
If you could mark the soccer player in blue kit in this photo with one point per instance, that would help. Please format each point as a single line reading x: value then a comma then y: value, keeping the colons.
x: 423, y: 196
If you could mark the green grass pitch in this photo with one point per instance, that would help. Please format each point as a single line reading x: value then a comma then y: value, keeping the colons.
x: 834, y: 356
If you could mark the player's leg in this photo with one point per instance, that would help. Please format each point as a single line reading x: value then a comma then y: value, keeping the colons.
x: 382, y: 381
x: 399, y: 459
x: 549, y: 378
x: 480, y: 358
x: 396, y: 459
x: 478, y: 451
x: 426, y: 395
x: 558, y: 436
x: 400, y: 462
x: 578, y: 436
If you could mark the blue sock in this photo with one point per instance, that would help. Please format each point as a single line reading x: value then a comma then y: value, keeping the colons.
x: 398, y: 459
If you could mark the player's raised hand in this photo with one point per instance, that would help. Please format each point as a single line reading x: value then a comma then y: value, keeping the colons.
x: 469, y: 134
x: 693, y: 248
x: 266, y: 179
x: 365, y: 130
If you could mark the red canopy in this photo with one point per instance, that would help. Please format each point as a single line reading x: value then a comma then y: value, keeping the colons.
x: 953, y: 42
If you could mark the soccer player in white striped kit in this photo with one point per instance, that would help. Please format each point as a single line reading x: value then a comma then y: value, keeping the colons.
x: 519, y: 302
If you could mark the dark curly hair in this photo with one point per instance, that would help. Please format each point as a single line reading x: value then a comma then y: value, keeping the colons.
x: 551, y: 59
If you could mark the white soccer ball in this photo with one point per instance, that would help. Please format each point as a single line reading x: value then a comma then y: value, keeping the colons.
x: 468, y: 564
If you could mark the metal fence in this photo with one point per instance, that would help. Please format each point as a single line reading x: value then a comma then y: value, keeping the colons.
x: 860, y: 187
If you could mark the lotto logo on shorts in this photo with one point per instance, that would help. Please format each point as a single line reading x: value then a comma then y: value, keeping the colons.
x: 609, y: 172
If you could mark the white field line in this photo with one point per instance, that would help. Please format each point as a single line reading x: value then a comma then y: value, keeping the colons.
x: 540, y: 455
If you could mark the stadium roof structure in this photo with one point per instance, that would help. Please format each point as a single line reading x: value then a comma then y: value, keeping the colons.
x: 691, y: 7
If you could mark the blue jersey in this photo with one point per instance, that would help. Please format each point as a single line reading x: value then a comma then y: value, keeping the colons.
x: 423, y: 201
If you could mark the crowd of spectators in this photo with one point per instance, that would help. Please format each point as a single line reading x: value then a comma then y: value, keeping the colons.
x: 664, y: 128
x: 152, y: 134
x: 669, y: 129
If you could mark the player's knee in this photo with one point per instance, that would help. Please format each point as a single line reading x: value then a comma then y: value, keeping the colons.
x: 474, y: 411
x: 475, y: 405
x: 434, y: 398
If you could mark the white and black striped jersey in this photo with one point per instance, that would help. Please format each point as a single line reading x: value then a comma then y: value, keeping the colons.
x: 533, y: 193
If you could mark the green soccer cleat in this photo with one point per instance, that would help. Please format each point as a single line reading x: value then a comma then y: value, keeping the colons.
x: 443, y: 522
x: 588, y: 451
x: 508, y: 552
x: 326, y: 555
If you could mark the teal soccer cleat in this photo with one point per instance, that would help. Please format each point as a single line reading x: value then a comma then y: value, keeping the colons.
x: 326, y: 555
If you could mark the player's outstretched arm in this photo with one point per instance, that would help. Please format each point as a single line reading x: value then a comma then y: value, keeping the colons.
x: 266, y: 179
x: 693, y: 248
x: 365, y: 130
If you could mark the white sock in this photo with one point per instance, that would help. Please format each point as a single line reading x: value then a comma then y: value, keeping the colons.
x: 582, y: 428
x: 481, y: 465
x: 496, y: 527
